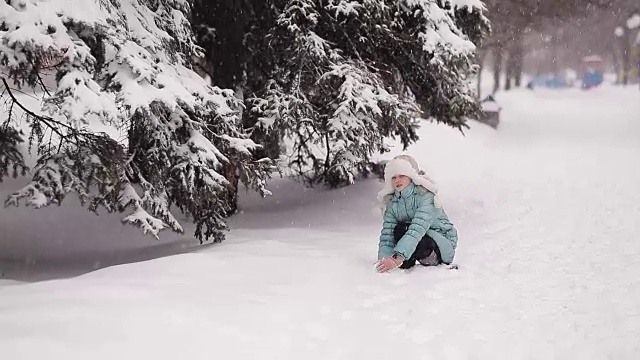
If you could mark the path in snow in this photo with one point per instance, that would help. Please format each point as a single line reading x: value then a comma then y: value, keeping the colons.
x: 547, y: 211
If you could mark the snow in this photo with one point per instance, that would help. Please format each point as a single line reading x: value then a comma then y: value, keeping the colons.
x: 592, y: 58
x: 469, y: 4
x: 32, y: 25
x: 442, y: 32
x: 241, y: 145
x: 317, y: 44
x: 441, y: 36
x: 355, y: 93
x: 346, y: 8
x: 546, y: 208
x: 141, y: 21
x: 9, y: 282
x: 84, y: 98
x: 634, y: 21
x: 144, y: 82
x: 203, y: 151
x: 491, y: 106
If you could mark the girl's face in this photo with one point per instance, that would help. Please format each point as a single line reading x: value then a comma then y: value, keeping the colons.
x: 400, y: 182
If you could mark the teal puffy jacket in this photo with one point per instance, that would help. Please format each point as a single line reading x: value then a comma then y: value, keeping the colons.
x: 415, y: 205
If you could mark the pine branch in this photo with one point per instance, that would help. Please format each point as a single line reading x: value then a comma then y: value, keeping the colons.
x: 10, y: 154
x: 46, y: 90
x: 48, y: 121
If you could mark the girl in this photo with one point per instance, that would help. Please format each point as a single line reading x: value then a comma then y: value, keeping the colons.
x: 415, y: 226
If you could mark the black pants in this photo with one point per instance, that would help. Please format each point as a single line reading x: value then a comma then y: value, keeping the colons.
x: 424, y: 248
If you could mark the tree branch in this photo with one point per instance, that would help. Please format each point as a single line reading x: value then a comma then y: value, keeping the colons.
x: 45, y: 119
x: 42, y: 84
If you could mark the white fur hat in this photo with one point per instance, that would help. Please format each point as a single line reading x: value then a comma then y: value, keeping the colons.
x: 406, y: 165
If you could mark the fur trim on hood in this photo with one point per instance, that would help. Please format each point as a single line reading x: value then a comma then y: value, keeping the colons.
x: 406, y: 165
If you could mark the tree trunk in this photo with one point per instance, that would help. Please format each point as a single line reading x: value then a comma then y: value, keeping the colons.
x: 229, y: 53
x: 513, y: 63
x: 482, y: 54
x: 555, y: 53
x: 518, y: 74
x: 220, y: 29
x: 517, y: 52
x: 509, y: 68
x: 497, y: 67
x: 479, y: 82
x: 508, y: 78
x: 617, y: 65
x: 626, y: 47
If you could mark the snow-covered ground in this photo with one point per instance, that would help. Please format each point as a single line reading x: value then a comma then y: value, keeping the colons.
x: 547, y: 209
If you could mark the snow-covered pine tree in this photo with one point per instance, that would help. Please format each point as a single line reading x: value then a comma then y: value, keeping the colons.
x: 126, y: 124
x: 333, y: 79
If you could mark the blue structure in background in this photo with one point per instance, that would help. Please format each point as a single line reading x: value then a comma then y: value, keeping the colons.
x: 593, y: 74
x: 592, y: 78
x: 550, y: 82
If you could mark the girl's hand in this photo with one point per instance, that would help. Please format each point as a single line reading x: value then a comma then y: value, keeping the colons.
x: 389, y: 263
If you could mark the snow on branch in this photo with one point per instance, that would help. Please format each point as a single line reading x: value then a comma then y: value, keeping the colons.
x: 345, y: 7
x: 441, y: 36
